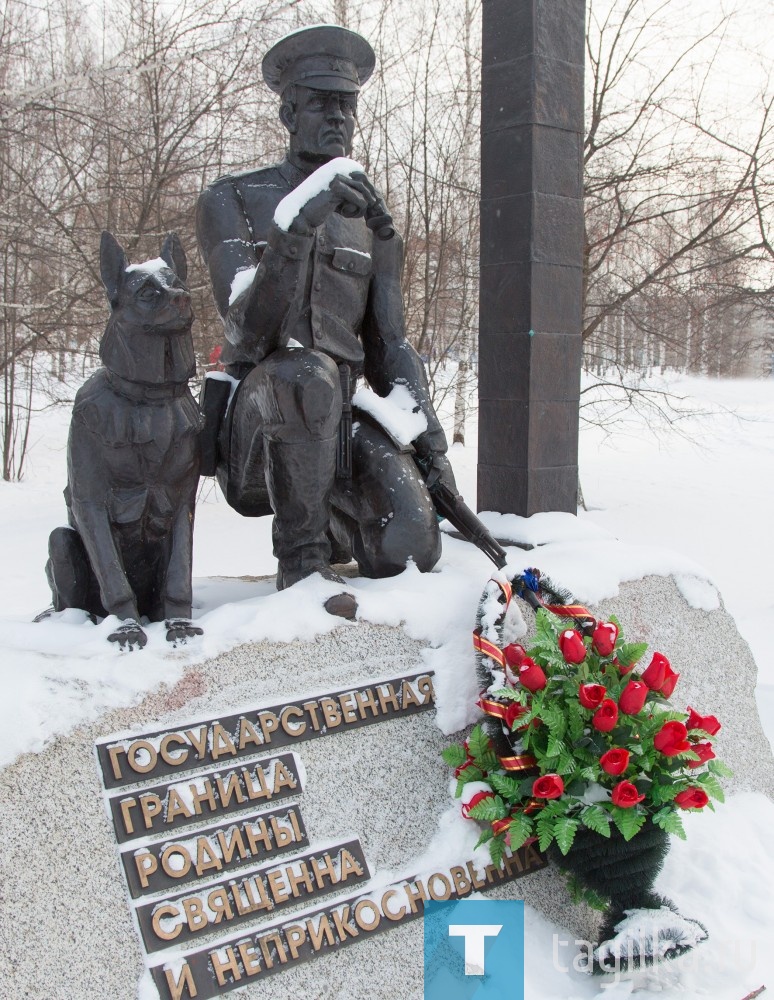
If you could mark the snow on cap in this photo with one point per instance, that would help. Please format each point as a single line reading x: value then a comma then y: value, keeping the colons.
x: 321, y: 57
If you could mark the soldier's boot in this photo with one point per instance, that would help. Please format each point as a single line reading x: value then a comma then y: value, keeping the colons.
x: 299, y: 477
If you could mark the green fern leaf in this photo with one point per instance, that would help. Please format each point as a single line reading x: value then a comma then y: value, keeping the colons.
x: 596, y: 819
x: 629, y: 821
x: 489, y: 809
x: 545, y: 830
x: 508, y: 787
x: 630, y: 653
x: 478, y: 743
x: 721, y: 769
x: 670, y: 822
x: 497, y: 850
x: 521, y: 829
x: 486, y: 836
x: 712, y: 786
x: 564, y: 832
x: 454, y: 755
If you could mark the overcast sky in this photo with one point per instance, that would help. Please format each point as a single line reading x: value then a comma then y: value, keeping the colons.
x: 741, y: 43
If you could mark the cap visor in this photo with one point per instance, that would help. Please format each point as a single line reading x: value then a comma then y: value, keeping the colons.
x: 338, y: 84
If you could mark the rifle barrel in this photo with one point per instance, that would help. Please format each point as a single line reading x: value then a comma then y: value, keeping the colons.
x: 457, y: 512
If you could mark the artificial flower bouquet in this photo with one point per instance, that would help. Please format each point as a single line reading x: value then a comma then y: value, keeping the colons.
x: 592, y: 743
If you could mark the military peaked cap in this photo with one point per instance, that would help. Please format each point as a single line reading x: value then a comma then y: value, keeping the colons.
x: 322, y: 57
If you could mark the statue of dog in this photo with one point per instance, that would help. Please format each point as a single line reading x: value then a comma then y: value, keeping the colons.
x: 133, y: 457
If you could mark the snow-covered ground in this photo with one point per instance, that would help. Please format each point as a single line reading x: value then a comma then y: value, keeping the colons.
x: 702, y: 488
x: 690, y: 498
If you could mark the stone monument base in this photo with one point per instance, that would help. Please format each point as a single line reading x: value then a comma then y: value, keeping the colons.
x: 66, y: 925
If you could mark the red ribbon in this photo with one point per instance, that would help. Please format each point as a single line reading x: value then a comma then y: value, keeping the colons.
x: 498, y: 710
x: 494, y: 708
x: 484, y: 646
x: 576, y: 611
x: 522, y: 762
x: 488, y: 648
x: 503, y: 825
x: 507, y: 591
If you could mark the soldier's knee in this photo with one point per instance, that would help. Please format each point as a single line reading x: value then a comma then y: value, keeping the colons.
x: 407, y: 535
x: 306, y: 387
x: 419, y: 539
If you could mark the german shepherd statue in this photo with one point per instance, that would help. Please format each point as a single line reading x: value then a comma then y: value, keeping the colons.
x: 133, y: 457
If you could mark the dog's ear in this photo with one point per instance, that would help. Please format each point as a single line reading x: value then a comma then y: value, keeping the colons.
x: 112, y: 264
x: 172, y: 253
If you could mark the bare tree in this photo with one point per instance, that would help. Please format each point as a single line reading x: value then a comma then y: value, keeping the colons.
x: 114, y: 125
x: 678, y: 204
x: 419, y: 139
x: 117, y: 118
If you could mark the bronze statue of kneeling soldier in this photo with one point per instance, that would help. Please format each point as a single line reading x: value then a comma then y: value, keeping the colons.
x: 308, y: 286
x: 305, y: 271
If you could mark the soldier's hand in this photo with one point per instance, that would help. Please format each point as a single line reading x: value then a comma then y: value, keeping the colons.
x: 378, y: 219
x: 353, y: 196
x: 438, y: 471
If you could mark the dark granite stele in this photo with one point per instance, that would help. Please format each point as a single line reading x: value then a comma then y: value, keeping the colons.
x: 531, y: 255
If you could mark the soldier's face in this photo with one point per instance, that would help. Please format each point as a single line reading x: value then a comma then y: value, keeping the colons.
x: 324, y: 124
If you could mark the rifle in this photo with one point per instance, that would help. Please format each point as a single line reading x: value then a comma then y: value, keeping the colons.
x: 344, y: 446
x: 536, y: 591
x: 447, y: 503
x: 451, y: 506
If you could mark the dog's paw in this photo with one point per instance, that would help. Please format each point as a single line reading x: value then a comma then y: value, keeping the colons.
x: 180, y: 630
x: 128, y: 635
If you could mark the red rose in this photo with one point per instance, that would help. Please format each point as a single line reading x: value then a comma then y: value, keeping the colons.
x: 548, y: 786
x: 659, y: 675
x: 625, y: 795
x: 513, y: 712
x: 670, y: 739
x: 591, y: 695
x: 531, y: 676
x: 622, y: 667
x: 692, y: 798
x: 514, y: 654
x: 655, y: 675
x: 705, y: 752
x: 572, y: 647
x: 603, y: 638
x: 605, y: 716
x: 615, y: 761
x: 670, y: 681
x: 633, y: 697
x: 473, y: 793
x: 708, y: 723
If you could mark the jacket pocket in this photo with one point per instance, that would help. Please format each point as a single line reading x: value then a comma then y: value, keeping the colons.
x: 352, y: 261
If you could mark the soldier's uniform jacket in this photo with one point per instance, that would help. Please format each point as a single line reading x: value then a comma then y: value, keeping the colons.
x: 337, y: 291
